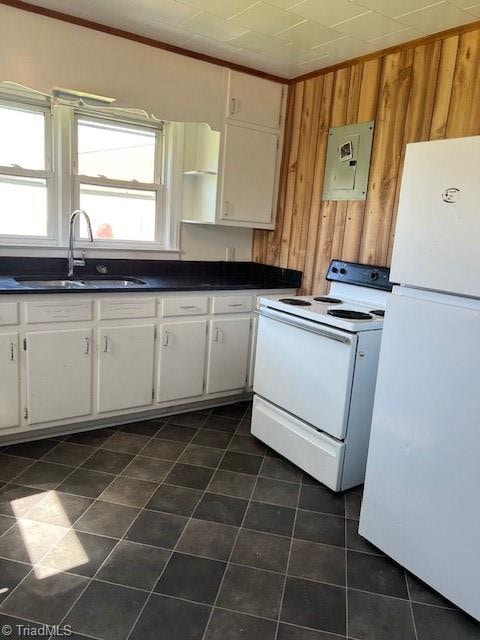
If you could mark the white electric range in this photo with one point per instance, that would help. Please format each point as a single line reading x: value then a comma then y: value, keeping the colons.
x: 315, y: 373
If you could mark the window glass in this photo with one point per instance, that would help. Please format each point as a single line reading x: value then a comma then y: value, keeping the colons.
x: 116, y: 151
x: 23, y: 206
x: 118, y: 214
x: 22, y: 136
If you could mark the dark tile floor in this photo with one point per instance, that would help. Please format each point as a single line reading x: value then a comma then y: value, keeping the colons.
x: 188, y: 529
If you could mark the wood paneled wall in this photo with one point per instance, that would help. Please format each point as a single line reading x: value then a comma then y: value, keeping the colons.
x: 418, y: 93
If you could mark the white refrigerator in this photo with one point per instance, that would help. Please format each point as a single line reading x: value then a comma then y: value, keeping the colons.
x: 421, y: 502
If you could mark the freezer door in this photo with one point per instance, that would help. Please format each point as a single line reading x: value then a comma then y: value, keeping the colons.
x: 421, y: 503
x: 438, y: 227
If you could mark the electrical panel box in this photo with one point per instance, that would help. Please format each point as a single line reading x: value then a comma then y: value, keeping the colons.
x: 348, y: 162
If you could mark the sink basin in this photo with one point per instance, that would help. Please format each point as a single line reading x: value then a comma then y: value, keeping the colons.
x: 53, y: 284
x: 113, y: 282
x: 97, y: 283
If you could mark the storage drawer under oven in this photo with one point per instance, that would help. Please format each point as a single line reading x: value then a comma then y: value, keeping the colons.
x: 307, y: 369
x: 314, y: 452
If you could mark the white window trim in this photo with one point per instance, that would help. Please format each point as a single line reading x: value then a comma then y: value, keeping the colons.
x: 48, y: 174
x: 63, y: 183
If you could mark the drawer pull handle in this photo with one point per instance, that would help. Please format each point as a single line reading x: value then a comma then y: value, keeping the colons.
x: 87, y: 346
x: 237, y: 304
x: 188, y: 306
x: 12, y: 351
x: 166, y: 338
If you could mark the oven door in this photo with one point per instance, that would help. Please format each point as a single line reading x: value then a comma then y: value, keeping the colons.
x: 306, y: 368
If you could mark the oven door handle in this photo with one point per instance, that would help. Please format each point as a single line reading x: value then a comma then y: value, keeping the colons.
x: 302, y: 325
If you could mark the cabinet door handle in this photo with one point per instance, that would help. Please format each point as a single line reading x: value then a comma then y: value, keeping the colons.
x: 12, y: 351
x: 87, y: 346
x: 166, y: 338
x: 228, y: 209
x: 218, y: 337
x: 233, y: 106
x: 105, y: 344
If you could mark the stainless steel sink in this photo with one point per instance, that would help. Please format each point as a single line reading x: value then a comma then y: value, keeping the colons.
x: 122, y: 283
x: 52, y: 284
x: 96, y: 283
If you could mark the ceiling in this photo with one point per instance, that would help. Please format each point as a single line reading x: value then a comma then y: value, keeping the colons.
x: 283, y: 37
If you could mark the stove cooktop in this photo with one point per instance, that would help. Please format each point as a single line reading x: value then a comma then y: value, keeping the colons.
x: 349, y: 314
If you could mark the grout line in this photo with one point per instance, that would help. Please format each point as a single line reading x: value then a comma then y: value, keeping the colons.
x: 411, y: 605
x: 287, y: 574
x: 346, y: 566
x: 229, y: 559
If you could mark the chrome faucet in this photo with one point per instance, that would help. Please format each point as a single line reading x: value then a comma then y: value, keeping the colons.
x: 77, y: 262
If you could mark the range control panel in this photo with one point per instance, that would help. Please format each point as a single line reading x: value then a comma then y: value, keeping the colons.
x: 362, y: 275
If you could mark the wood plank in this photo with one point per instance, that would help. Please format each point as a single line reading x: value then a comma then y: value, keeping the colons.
x: 387, y: 149
x: 448, y: 59
x: 305, y: 174
x: 324, y: 246
x: 291, y: 175
x: 314, y: 223
x: 366, y: 110
x: 354, y: 92
x: 418, y: 121
x: 464, y: 114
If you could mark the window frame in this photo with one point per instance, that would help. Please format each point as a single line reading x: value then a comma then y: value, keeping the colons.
x: 162, y: 237
x: 48, y: 173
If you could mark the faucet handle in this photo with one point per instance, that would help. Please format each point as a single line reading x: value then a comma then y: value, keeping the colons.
x: 79, y: 262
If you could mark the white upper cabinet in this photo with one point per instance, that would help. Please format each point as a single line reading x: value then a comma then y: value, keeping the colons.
x: 59, y: 374
x: 10, y: 382
x: 125, y: 367
x: 249, y: 172
x: 254, y: 100
x: 181, y: 363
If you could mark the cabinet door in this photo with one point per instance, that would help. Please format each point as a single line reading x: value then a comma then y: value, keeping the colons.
x: 255, y: 100
x: 59, y: 374
x: 125, y: 367
x: 228, y: 354
x: 249, y: 169
x: 253, y: 347
x: 181, y: 365
x: 9, y: 377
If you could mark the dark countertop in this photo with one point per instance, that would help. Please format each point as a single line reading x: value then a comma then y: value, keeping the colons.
x: 158, y: 275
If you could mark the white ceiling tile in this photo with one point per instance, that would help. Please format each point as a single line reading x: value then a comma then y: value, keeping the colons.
x: 368, y: 26
x: 392, y: 8
x: 464, y: 4
x: 436, y: 18
x: 264, y: 18
x: 309, y: 34
x: 392, y: 39
x: 475, y: 11
x: 210, y: 26
x: 344, y: 48
x: 328, y: 12
x: 221, y: 8
x: 257, y: 41
x: 282, y: 4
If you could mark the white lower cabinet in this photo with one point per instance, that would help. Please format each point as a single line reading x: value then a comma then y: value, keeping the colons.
x: 125, y: 367
x: 9, y: 381
x: 228, y: 354
x: 181, y: 364
x: 59, y: 374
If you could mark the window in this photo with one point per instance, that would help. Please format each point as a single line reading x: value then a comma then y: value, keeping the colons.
x: 118, y: 180
x: 56, y: 158
x: 26, y: 179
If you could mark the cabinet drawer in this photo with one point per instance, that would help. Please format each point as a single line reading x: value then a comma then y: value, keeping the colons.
x: 129, y: 308
x: 311, y: 450
x: 232, y: 304
x: 9, y: 313
x: 191, y: 306
x: 58, y: 311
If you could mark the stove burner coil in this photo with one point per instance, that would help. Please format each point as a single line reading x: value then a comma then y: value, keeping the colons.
x: 349, y: 314
x: 295, y: 302
x: 329, y: 300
